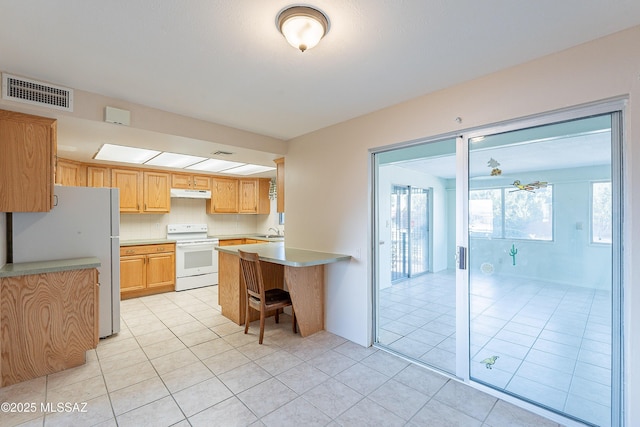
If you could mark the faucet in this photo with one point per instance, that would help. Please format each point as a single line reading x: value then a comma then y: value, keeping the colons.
x: 274, y: 229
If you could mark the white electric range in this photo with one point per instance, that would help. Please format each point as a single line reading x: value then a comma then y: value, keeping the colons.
x: 196, y: 257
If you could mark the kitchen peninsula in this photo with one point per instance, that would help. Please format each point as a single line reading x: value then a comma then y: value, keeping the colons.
x: 302, y: 271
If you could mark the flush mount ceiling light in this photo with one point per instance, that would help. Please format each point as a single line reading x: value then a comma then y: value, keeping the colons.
x: 302, y: 26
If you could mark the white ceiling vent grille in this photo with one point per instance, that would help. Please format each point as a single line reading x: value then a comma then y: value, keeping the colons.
x: 29, y: 91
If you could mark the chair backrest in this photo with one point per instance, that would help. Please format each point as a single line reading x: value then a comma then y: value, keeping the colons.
x: 252, y: 274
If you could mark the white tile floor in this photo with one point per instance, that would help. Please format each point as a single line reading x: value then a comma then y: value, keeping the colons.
x: 553, y: 341
x: 179, y: 362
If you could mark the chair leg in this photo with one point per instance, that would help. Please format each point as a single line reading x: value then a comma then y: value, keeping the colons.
x: 277, y: 315
x: 261, y: 326
x: 293, y: 320
x: 246, y: 317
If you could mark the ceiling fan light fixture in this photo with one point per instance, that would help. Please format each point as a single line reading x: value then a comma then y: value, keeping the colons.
x: 302, y: 26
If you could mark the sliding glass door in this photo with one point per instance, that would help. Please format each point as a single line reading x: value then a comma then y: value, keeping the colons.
x: 409, y: 231
x: 416, y: 292
x: 522, y: 290
x: 540, y: 263
x: 399, y: 232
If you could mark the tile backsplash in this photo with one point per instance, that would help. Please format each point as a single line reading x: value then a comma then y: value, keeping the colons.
x: 193, y: 211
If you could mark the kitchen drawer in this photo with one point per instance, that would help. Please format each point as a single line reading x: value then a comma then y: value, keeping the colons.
x: 231, y: 242
x: 243, y: 241
x: 147, y: 249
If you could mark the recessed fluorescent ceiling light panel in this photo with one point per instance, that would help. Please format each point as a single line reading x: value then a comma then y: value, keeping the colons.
x: 248, y: 169
x: 214, y: 165
x: 174, y: 160
x: 120, y: 153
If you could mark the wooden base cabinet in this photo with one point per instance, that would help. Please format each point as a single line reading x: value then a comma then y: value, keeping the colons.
x: 47, y: 323
x: 147, y: 270
x: 242, y: 241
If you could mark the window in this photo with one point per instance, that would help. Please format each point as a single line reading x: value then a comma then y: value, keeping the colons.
x: 601, y: 212
x: 504, y: 213
x: 485, y: 213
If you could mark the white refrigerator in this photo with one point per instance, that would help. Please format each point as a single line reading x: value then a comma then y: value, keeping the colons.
x: 85, y: 222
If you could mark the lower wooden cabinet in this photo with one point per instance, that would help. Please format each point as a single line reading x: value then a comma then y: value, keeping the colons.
x: 48, y: 322
x: 147, y: 269
x: 241, y: 241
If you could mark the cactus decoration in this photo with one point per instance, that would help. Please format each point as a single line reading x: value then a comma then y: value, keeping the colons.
x: 513, y: 253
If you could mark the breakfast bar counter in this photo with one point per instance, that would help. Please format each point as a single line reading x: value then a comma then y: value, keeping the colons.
x: 302, y: 270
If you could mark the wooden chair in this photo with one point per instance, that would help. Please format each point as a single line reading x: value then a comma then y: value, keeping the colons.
x: 257, y: 297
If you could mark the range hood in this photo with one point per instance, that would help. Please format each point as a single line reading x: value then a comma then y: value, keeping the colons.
x: 190, y: 194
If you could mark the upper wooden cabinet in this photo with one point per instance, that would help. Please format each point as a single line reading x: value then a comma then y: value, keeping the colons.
x: 142, y: 192
x: 280, y: 184
x: 130, y: 185
x: 190, y: 182
x: 69, y: 173
x: 156, y: 192
x: 27, y: 162
x: 264, y: 203
x: 77, y: 174
x: 260, y: 196
x: 224, y: 196
x: 246, y: 195
x: 98, y: 176
x: 149, y: 191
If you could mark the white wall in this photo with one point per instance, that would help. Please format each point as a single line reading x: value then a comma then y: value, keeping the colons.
x: 327, y: 180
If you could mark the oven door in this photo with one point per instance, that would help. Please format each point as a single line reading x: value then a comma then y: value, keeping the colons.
x: 196, y: 258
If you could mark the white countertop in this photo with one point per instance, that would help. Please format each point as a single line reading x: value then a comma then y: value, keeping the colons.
x: 277, y: 253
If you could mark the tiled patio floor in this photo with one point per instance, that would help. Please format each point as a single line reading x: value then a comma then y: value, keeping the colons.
x: 553, y: 342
